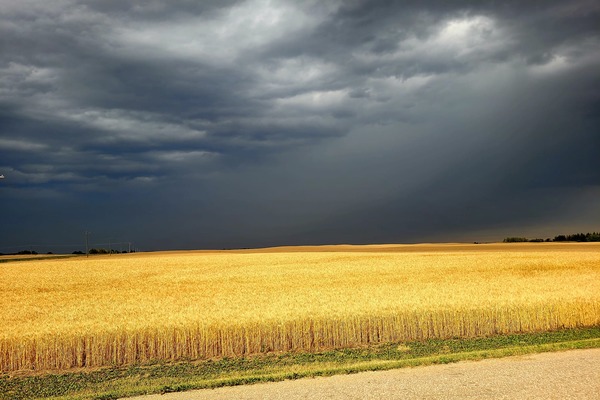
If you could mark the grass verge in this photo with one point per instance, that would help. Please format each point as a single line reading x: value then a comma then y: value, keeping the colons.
x: 113, y: 383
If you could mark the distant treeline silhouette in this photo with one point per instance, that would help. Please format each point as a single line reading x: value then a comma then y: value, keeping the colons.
x: 576, y: 237
x: 78, y: 252
x: 104, y: 251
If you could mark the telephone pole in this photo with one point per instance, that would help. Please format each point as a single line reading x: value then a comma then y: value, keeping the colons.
x: 87, y: 251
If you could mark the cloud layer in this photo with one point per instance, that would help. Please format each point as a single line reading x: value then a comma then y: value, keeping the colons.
x: 228, y: 124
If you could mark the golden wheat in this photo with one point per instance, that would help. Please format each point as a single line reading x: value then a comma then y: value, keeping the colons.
x: 135, y: 308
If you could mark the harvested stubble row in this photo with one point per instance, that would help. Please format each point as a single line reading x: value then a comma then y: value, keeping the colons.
x: 130, y: 309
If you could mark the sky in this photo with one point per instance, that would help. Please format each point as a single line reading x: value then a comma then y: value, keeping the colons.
x: 226, y: 124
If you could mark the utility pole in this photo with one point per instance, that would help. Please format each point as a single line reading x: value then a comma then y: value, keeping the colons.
x: 130, y: 247
x: 87, y: 251
x: 109, y: 249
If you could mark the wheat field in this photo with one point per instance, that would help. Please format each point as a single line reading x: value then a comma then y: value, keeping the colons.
x: 138, y: 308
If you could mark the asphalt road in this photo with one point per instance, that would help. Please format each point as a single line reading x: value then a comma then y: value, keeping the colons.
x: 565, y: 375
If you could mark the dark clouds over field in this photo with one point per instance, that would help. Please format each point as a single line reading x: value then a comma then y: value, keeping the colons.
x: 187, y: 124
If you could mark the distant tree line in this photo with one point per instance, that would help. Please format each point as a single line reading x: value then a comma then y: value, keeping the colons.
x: 576, y: 237
x: 104, y: 251
x: 78, y: 252
x: 101, y: 251
x: 524, y: 239
x: 24, y: 252
x: 579, y: 237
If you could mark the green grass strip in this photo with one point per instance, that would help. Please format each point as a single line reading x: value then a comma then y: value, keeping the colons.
x: 113, y: 383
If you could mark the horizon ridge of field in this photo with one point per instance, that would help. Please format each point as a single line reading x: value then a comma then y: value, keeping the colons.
x: 96, y: 249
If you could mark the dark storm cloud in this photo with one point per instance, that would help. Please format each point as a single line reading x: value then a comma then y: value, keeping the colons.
x: 251, y: 123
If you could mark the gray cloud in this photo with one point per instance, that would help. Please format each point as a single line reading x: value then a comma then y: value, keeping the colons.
x: 222, y: 124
